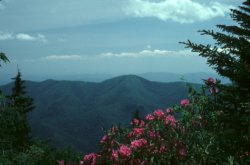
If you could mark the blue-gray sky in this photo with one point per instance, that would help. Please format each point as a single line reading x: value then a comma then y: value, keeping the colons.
x: 57, y: 37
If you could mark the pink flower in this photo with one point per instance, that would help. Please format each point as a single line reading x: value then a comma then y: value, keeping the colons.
x: 125, y: 151
x: 135, y: 122
x: 90, y: 158
x: 149, y: 117
x: 61, y: 162
x: 138, y: 143
x: 142, y: 123
x: 81, y: 162
x: 184, y: 102
x: 163, y: 149
x: 104, y: 139
x: 138, y: 131
x: 182, y: 152
x: 210, y: 81
x: 152, y: 134
x: 115, y: 154
x: 130, y: 134
x: 159, y: 114
x: 170, y: 120
x: 169, y: 110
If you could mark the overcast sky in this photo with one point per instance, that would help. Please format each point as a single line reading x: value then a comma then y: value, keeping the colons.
x: 57, y: 37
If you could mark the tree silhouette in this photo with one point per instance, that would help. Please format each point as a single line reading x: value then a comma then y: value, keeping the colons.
x: 22, y: 104
x: 3, y: 58
x: 230, y: 57
x: 18, y: 97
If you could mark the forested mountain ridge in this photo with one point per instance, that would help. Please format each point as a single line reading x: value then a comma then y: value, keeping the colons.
x: 72, y: 113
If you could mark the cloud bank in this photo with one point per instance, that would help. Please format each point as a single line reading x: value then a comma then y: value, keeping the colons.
x: 6, y: 36
x: 63, y: 57
x: 141, y: 54
x: 150, y: 53
x: 25, y: 37
x: 181, y: 11
x: 125, y: 62
x: 22, y: 37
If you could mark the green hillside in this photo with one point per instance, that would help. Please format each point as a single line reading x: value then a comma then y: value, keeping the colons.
x: 73, y: 113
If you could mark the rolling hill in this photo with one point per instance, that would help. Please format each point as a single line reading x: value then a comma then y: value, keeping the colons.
x: 73, y: 113
x: 151, y: 76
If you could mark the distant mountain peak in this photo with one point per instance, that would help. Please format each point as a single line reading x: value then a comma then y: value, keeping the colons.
x: 50, y: 80
x: 127, y: 78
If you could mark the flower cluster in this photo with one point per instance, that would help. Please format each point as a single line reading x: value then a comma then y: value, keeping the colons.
x: 159, y: 114
x: 184, y: 102
x: 138, y: 143
x: 183, y: 134
x: 170, y: 120
x: 212, y: 85
x: 125, y: 151
x: 146, y: 139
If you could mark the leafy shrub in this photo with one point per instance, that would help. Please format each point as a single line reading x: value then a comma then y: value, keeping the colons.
x: 183, y: 134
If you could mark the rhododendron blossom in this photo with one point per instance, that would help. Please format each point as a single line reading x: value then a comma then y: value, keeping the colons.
x: 138, y: 131
x: 163, y: 149
x: 149, y: 117
x: 90, y: 158
x: 61, y: 162
x: 104, y: 138
x: 184, y: 102
x: 115, y: 154
x: 159, y: 114
x: 125, y: 151
x: 135, y: 122
x: 142, y: 123
x: 210, y: 81
x: 130, y: 134
x: 152, y: 134
x: 182, y: 152
x: 169, y: 110
x: 138, y: 143
x: 170, y: 120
